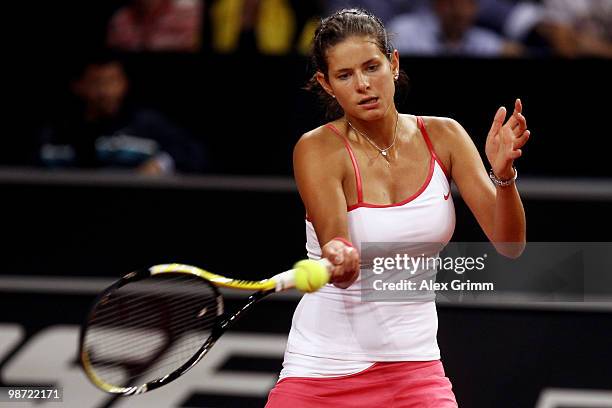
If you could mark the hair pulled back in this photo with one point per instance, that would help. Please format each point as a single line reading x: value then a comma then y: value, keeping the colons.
x: 333, y: 30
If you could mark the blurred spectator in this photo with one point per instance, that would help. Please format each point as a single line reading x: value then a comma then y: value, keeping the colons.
x: 567, y: 28
x: 510, y: 18
x: 307, y: 17
x: 157, y: 25
x: 272, y: 27
x: 386, y: 10
x: 447, y: 28
x: 579, y: 28
x: 594, y: 16
x: 103, y: 130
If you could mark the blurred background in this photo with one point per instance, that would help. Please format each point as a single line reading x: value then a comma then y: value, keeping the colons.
x: 149, y: 131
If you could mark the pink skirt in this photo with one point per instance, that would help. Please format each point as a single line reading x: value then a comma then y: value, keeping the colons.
x: 414, y: 384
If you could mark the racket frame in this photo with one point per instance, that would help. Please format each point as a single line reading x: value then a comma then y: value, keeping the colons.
x: 222, y: 323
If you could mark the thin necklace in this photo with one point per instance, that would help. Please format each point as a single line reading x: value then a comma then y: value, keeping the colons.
x: 383, y: 152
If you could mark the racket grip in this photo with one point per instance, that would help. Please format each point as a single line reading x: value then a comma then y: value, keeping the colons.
x: 286, y: 280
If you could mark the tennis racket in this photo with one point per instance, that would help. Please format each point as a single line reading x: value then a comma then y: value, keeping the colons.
x: 151, y: 326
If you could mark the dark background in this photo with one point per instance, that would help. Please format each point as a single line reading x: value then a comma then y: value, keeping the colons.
x: 249, y: 111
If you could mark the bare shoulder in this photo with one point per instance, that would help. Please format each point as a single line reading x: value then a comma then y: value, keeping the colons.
x: 319, y: 138
x: 448, y: 138
x: 321, y: 146
x: 443, y: 130
x: 321, y: 142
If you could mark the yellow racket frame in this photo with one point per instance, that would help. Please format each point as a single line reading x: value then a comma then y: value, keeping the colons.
x: 217, y: 280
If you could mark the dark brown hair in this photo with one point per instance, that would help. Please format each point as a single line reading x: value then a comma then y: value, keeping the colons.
x: 332, y: 31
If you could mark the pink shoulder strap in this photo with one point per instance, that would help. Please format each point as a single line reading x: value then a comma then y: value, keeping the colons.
x: 421, y: 124
x: 353, y: 160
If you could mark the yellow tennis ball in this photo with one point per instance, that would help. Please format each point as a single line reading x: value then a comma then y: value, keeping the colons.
x: 310, y: 275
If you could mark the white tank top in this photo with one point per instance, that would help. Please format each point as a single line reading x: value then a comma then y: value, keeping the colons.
x: 333, y: 331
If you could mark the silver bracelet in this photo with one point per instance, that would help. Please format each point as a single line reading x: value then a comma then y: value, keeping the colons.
x: 503, y: 183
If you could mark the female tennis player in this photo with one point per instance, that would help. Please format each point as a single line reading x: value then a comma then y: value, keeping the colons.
x: 374, y: 175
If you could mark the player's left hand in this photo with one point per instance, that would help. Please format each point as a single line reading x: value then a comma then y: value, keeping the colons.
x: 504, y: 141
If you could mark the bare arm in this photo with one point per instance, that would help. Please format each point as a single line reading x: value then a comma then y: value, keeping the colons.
x: 319, y: 172
x: 498, y: 210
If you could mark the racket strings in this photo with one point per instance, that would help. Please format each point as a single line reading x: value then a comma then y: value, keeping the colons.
x: 161, y: 368
x: 145, y: 344
x: 108, y: 318
x: 148, y: 329
x: 150, y: 344
x: 115, y: 342
x: 105, y: 313
x: 152, y: 287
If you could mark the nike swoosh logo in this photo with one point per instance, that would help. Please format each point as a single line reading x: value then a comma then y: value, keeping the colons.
x: 447, y: 195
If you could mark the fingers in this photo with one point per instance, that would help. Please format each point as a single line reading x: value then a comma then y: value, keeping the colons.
x: 518, y: 124
x: 518, y: 109
x: 518, y: 106
x: 353, y: 260
x: 522, y: 139
x: 517, y: 117
x: 515, y: 154
x: 498, y: 121
x: 348, y: 266
x: 336, y: 256
x: 344, y: 272
x: 345, y: 260
x: 510, y: 137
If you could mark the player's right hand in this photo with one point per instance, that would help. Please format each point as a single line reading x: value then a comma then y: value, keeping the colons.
x: 345, y: 261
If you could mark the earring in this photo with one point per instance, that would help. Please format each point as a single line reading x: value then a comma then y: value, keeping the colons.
x: 396, y: 76
x: 333, y: 96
